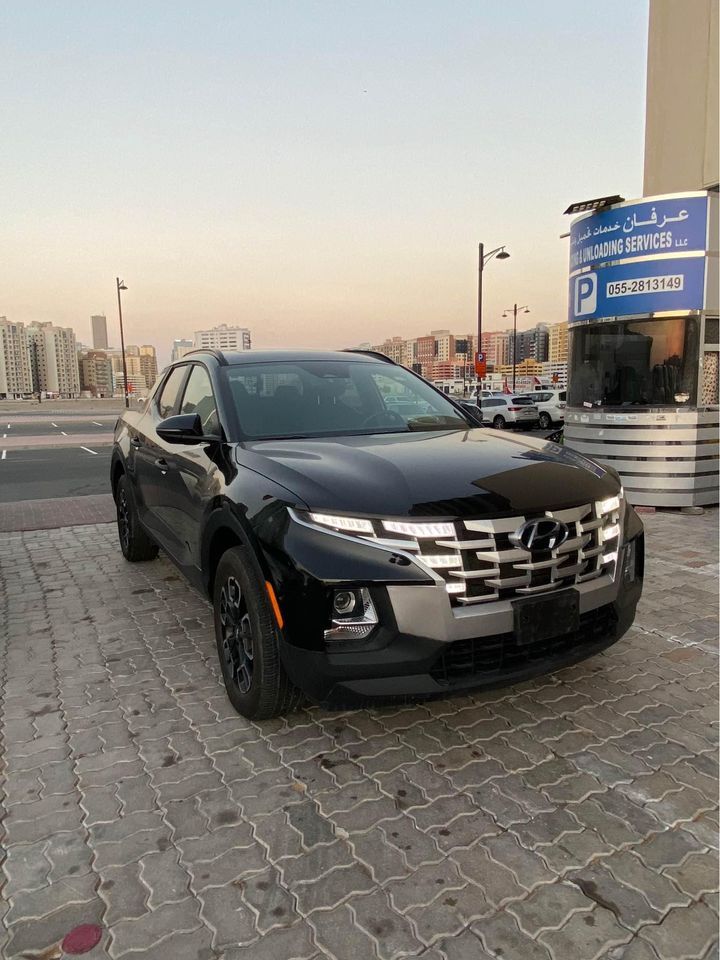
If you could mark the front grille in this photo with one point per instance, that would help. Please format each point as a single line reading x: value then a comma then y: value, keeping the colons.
x: 479, y: 564
x: 501, y: 654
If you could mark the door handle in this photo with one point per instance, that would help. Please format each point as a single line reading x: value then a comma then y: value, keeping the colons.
x: 135, y: 442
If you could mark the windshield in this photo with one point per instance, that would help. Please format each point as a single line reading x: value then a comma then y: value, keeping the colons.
x: 634, y: 362
x: 315, y: 398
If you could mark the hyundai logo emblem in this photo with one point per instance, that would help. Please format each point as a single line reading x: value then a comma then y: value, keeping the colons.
x: 540, y: 534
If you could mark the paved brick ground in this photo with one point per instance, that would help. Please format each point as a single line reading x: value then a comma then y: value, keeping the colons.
x: 56, y: 512
x: 570, y: 818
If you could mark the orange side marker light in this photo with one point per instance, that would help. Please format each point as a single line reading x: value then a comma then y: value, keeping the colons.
x: 273, y: 602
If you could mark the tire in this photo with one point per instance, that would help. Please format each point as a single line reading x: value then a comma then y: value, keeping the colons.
x: 545, y: 420
x: 135, y: 544
x: 499, y: 422
x: 248, y: 640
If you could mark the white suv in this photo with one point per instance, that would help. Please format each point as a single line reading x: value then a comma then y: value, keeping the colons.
x: 503, y: 410
x: 551, y: 406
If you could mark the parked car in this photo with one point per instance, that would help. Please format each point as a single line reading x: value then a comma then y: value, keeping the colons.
x: 505, y: 410
x: 551, y: 407
x: 353, y: 552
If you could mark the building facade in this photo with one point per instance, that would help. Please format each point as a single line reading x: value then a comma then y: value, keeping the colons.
x: 98, y: 324
x: 96, y: 373
x: 54, y: 359
x: 15, y: 371
x: 223, y: 337
x: 558, y: 342
x: 180, y: 348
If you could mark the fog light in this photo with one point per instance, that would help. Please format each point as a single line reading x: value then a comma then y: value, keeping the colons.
x: 353, y: 615
x: 344, y: 602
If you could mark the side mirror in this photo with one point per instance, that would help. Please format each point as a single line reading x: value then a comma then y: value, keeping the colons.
x: 473, y: 411
x: 184, y: 428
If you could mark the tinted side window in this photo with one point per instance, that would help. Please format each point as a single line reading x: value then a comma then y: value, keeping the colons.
x: 169, y: 395
x: 488, y: 402
x: 198, y: 398
x: 562, y: 395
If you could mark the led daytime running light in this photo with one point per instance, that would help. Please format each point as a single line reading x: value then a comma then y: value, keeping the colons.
x: 420, y: 529
x: 351, y: 524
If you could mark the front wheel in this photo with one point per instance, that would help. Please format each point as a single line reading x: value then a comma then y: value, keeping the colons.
x: 248, y: 640
x: 135, y: 544
x: 499, y: 422
x: 545, y: 421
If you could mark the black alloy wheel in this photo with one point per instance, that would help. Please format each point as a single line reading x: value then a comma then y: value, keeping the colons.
x: 248, y: 638
x: 499, y: 422
x: 545, y: 421
x: 123, y: 520
x: 237, y: 637
x: 135, y: 544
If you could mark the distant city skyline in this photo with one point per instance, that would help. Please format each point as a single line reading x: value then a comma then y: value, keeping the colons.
x: 319, y: 174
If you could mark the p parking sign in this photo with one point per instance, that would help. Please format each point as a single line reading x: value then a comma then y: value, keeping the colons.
x: 585, y: 299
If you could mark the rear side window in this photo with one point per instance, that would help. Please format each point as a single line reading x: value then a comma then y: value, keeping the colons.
x: 169, y: 394
x: 198, y: 398
x: 562, y: 395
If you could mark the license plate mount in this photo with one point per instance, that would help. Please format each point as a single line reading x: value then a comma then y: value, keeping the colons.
x: 539, y: 618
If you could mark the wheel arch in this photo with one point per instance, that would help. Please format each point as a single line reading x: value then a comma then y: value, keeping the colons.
x: 223, y: 531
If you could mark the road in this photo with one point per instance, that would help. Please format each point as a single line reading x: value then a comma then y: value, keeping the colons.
x: 49, y: 472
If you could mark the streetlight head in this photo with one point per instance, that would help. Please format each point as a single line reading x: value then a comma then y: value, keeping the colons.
x: 526, y: 310
x: 503, y: 255
x: 504, y: 315
x: 121, y: 286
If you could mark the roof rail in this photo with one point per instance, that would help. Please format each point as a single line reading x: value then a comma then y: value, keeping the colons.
x: 218, y: 354
x: 371, y: 353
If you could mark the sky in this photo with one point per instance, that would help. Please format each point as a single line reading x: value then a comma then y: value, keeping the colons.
x: 321, y: 172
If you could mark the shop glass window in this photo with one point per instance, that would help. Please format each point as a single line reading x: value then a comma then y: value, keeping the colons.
x: 634, y: 363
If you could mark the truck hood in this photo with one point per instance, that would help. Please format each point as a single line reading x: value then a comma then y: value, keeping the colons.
x: 455, y: 473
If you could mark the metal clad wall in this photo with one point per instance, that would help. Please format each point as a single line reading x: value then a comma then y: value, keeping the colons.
x: 665, y: 459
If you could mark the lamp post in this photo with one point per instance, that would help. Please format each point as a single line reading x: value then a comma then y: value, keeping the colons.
x: 483, y: 258
x: 121, y: 286
x: 515, y: 310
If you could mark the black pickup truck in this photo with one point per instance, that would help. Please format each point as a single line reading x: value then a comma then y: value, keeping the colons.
x: 362, y: 537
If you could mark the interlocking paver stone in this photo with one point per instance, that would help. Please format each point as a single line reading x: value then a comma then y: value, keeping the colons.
x: 572, y: 816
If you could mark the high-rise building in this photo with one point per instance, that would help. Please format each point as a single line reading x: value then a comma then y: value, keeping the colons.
x: 496, y: 347
x: 223, y: 337
x: 444, y: 344
x: 15, y: 372
x: 531, y: 344
x: 558, y: 342
x: 99, y: 331
x: 148, y: 364
x: 141, y: 364
x: 96, y: 372
x: 54, y: 359
x: 180, y: 348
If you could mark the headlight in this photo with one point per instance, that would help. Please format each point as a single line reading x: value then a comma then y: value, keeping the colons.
x: 353, y: 615
x: 350, y: 524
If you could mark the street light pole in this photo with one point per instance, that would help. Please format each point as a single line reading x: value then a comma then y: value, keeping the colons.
x: 515, y: 310
x: 483, y: 258
x: 121, y: 286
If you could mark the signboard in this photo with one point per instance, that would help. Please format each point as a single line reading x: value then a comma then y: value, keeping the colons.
x: 634, y: 288
x: 480, y: 364
x: 636, y: 258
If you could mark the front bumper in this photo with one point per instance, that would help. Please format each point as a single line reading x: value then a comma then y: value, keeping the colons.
x: 425, y: 648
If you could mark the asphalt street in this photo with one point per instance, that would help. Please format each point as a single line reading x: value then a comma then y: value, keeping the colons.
x: 58, y: 426
x: 47, y: 472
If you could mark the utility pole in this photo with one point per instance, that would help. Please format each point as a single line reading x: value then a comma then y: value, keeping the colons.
x: 515, y: 310
x: 121, y: 286
x: 483, y: 258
